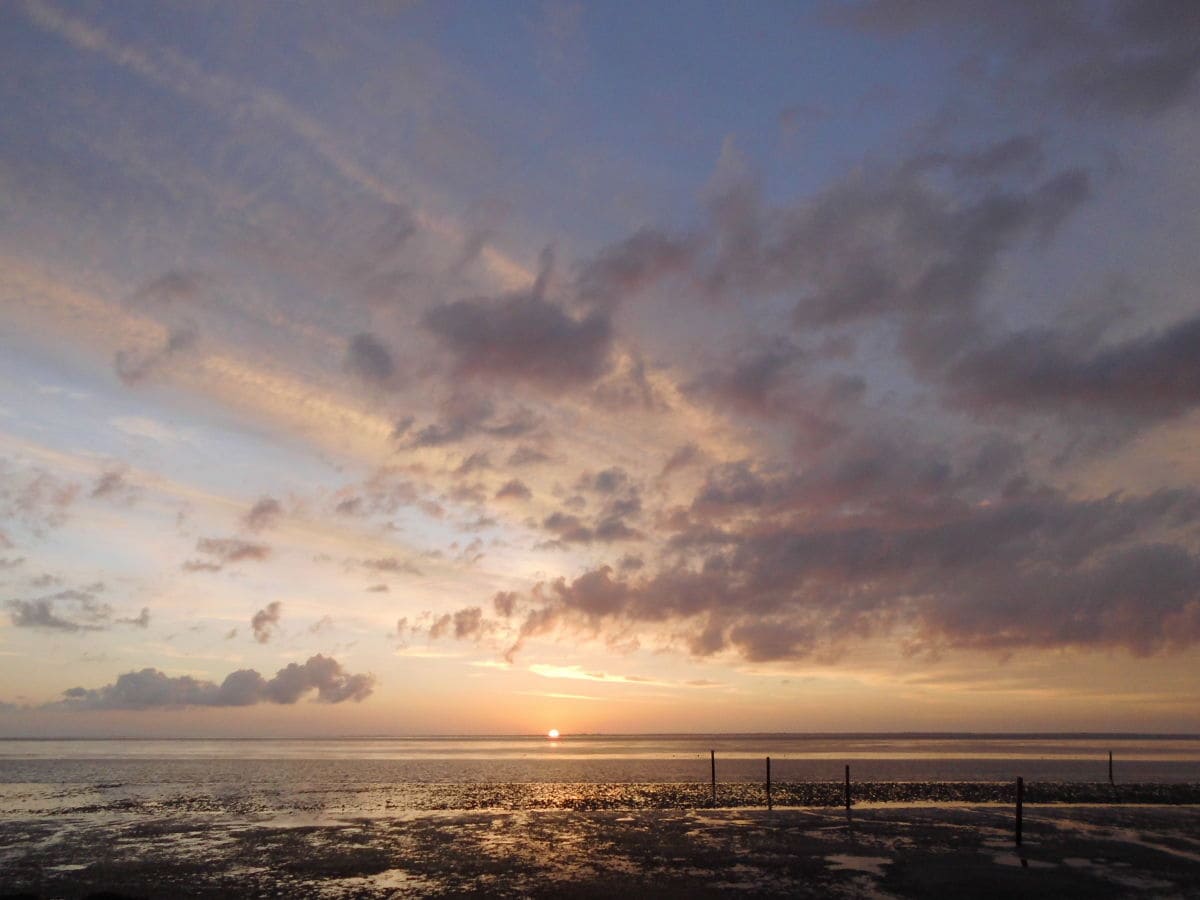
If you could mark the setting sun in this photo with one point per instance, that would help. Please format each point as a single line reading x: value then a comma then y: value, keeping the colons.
x: 552, y: 734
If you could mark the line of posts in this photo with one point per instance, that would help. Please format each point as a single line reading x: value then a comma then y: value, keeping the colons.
x: 770, y: 804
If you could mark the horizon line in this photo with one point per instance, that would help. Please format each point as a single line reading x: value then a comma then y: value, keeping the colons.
x: 1150, y: 735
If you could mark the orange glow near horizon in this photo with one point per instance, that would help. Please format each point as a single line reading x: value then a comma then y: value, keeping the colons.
x: 552, y: 734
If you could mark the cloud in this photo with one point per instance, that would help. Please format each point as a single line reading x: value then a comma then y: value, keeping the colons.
x: 1154, y: 375
x: 683, y: 457
x: 34, y: 498
x: 525, y: 455
x: 464, y: 414
x: 113, y: 485
x: 467, y: 623
x: 523, y: 337
x: 265, y: 621
x: 749, y: 384
x: 134, y: 366
x: 231, y: 550
x: 1124, y: 57
x: 382, y: 494
x: 370, y: 359
x: 477, y: 461
x: 72, y: 611
x: 515, y: 489
x: 176, y: 287
x: 505, y: 603
x: 263, y: 514
x: 152, y: 689
x: 391, y: 564
x: 1035, y: 569
x: 620, y: 270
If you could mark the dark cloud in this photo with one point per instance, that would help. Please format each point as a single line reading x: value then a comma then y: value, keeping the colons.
x: 1022, y: 154
x: 630, y: 563
x: 73, y: 611
x: 523, y: 337
x: 514, y: 489
x: 114, y: 486
x: 152, y: 689
x: 263, y: 514
x: 608, y: 481
x: 369, y: 358
x: 391, y: 564
x: 178, y: 286
x: 568, y: 528
x: 1124, y: 57
x: 475, y: 462
x: 622, y: 269
x: 1154, y: 375
x: 465, y: 624
x: 232, y: 550
x: 749, y: 384
x: 265, y: 621
x: 1033, y: 568
x: 896, y: 244
x: 465, y: 414
x: 505, y: 603
x: 681, y: 458
x: 527, y: 456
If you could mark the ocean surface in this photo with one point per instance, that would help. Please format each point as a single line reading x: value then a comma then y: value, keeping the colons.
x: 373, y: 775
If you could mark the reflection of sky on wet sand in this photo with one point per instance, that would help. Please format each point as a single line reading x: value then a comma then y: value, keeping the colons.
x: 905, y: 851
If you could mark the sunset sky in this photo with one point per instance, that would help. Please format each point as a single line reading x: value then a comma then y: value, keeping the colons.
x: 409, y: 368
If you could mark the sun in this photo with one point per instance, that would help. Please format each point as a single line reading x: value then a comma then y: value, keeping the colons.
x: 552, y: 734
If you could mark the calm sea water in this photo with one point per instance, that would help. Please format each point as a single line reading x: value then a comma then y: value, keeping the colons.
x: 107, y: 780
x: 602, y: 759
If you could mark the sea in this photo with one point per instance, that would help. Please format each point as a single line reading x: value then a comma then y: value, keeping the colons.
x: 390, y: 774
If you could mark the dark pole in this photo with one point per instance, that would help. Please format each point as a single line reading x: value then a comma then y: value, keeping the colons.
x: 713, y: 756
x: 768, y: 783
x: 1110, y: 778
x: 847, y: 787
x: 1020, y: 802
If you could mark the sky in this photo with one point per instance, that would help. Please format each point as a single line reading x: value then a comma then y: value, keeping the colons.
x: 472, y: 368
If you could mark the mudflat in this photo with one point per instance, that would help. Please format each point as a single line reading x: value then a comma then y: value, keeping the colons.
x: 876, y: 850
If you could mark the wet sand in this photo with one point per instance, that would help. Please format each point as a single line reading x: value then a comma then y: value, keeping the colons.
x: 880, y: 850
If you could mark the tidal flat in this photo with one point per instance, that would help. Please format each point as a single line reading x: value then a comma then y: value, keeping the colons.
x: 875, y: 850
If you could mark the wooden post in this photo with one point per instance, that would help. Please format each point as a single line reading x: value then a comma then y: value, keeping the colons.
x: 1020, y: 802
x: 847, y: 787
x: 769, y: 783
x: 713, y: 756
x: 1110, y: 775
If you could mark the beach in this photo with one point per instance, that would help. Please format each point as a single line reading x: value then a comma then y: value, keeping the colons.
x: 599, y: 816
x: 875, y: 850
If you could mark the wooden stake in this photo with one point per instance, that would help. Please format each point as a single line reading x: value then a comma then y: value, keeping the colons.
x: 847, y: 787
x: 1020, y: 803
x: 1110, y: 775
x: 713, y: 756
x: 769, y: 807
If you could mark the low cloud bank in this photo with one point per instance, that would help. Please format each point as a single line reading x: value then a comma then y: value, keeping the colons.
x: 152, y: 689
